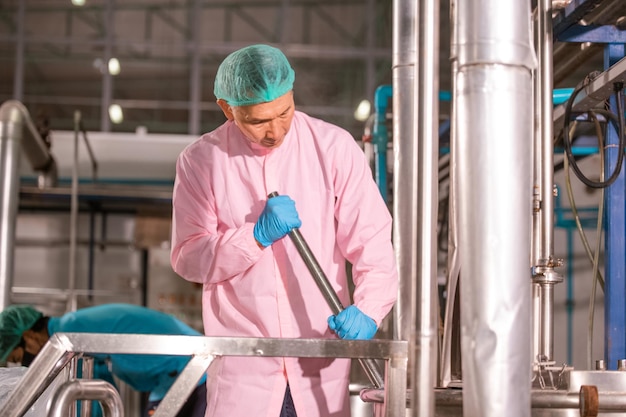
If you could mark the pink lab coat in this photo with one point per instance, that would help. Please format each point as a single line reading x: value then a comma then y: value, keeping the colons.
x: 222, y: 183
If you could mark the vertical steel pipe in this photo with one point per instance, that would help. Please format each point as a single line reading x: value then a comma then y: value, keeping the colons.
x: 536, y: 237
x: 426, y: 110
x: 494, y: 137
x: 542, y: 261
x: 449, y: 364
x: 544, y: 164
x: 72, y: 299
x: 17, y: 132
x: 405, y: 161
x: 11, y: 130
x: 415, y: 148
x: 88, y: 362
x: 405, y: 183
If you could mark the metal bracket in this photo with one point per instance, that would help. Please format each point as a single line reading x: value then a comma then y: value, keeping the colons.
x: 598, y: 89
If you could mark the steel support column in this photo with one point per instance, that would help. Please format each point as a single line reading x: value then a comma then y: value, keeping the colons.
x: 615, y: 239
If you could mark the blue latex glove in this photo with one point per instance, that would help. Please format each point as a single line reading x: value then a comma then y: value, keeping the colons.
x: 278, y: 218
x: 352, y: 324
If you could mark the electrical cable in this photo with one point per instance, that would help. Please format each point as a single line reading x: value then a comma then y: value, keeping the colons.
x: 573, y: 206
x: 618, y: 120
x: 595, y: 260
x: 569, y: 160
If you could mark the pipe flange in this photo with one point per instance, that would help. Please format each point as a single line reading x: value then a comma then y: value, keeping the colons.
x: 546, y: 275
x: 589, y: 404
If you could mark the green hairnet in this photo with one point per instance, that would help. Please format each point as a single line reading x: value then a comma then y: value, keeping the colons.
x: 14, y: 321
x: 254, y: 74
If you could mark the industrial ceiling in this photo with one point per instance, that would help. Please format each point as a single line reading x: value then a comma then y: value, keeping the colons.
x: 54, y: 57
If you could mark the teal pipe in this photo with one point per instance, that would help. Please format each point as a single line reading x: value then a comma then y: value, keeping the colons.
x: 380, y: 137
x: 561, y: 95
x: 579, y: 150
x: 380, y: 134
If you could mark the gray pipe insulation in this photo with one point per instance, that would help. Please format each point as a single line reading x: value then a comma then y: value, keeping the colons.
x: 493, y: 147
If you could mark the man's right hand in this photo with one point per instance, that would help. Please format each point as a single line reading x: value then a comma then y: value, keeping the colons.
x: 277, y: 219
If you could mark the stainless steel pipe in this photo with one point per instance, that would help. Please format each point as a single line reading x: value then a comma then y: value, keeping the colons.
x: 608, y: 402
x: 543, y: 245
x: 415, y: 148
x: 10, y: 140
x: 493, y: 90
x: 543, y: 261
x: 71, y: 391
x: 17, y: 132
x: 405, y: 235
x: 373, y: 372
x: 450, y: 367
x: 426, y: 115
x: 88, y: 362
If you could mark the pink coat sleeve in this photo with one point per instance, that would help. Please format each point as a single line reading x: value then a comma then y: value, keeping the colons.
x: 364, y: 228
x: 200, y: 253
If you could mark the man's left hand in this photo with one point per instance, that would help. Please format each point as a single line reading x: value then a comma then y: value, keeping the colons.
x: 353, y: 324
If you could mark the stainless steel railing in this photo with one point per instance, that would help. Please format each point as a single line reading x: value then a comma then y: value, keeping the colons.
x: 63, y: 347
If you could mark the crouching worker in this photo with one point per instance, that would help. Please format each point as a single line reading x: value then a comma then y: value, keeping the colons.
x: 24, y: 331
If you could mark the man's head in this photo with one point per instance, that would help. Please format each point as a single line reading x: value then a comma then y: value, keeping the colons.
x: 18, y: 341
x: 254, y: 86
x: 252, y: 75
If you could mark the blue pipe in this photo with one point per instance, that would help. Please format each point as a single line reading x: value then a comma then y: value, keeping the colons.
x: 380, y: 133
x: 380, y: 137
x: 561, y: 95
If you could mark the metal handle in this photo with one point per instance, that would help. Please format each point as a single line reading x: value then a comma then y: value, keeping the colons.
x: 370, y: 366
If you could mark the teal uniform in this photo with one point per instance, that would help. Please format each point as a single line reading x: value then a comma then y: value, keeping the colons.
x: 154, y: 374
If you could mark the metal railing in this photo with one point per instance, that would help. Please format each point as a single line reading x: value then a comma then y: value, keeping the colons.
x: 63, y: 347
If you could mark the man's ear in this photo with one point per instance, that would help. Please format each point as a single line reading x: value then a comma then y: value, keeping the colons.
x: 226, y: 109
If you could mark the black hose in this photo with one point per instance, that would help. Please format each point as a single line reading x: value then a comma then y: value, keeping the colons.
x: 618, y: 120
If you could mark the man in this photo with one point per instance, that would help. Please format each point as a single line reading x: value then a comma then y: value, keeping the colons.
x: 227, y: 235
x: 24, y: 331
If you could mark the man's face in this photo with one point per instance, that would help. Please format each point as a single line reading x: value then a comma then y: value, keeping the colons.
x: 30, y: 345
x: 266, y: 124
x: 21, y: 355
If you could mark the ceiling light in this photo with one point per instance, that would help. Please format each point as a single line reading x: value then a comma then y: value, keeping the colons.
x: 114, y: 66
x: 362, y: 111
x: 78, y: 2
x: 115, y: 113
x: 97, y: 64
